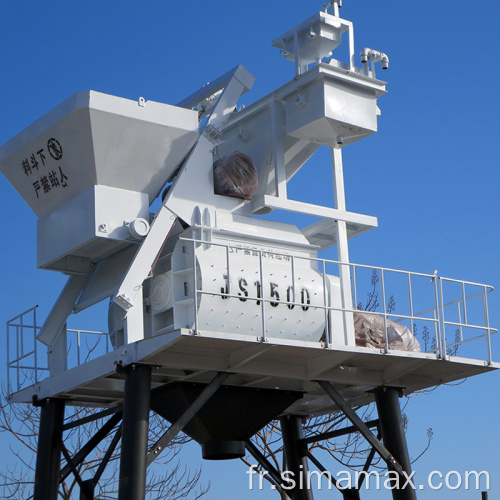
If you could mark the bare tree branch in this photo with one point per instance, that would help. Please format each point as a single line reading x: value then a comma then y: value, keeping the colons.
x: 21, y: 423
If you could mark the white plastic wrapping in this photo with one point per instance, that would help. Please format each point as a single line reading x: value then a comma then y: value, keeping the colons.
x: 370, y: 332
x: 235, y: 175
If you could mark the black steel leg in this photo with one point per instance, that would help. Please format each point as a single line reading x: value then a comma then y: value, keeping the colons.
x: 48, y: 459
x: 87, y: 491
x: 393, y: 436
x: 135, y: 433
x: 296, y: 460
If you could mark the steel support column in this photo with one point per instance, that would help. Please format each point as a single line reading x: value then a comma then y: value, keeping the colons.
x: 87, y: 490
x: 343, y: 249
x: 135, y: 428
x: 48, y: 458
x: 295, y: 457
x: 393, y: 436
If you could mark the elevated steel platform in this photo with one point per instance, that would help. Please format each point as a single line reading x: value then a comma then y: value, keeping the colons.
x: 183, y: 356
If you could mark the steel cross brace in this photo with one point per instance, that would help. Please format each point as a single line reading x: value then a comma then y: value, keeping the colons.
x: 334, y: 395
x: 351, y: 493
x: 174, y: 429
x: 93, y: 442
x: 107, y: 456
x: 348, y: 494
x: 87, y: 487
x: 267, y: 465
x: 337, y: 433
x: 93, y: 417
x: 368, y: 462
x: 318, y: 464
x: 72, y: 466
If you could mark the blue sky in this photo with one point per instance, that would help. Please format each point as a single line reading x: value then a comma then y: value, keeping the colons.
x: 430, y: 175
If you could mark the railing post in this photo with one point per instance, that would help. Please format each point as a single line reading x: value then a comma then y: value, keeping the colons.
x: 384, y: 310
x: 444, y: 354
x: 437, y: 318
x: 263, y: 302
x: 195, y: 290
x: 35, y: 354
x: 410, y: 297
x: 487, y: 325
x: 328, y: 338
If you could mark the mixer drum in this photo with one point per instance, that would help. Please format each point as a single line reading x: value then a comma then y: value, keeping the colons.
x: 243, y: 288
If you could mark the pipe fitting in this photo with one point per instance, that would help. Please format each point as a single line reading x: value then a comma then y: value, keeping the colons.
x: 366, y: 55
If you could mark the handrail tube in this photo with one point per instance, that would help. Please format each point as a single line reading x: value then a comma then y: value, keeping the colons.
x: 34, y: 344
x: 410, y: 297
x: 327, y: 309
x: 487, y: 323
x: 367, y: 266
x: 26, y: 355
x: 22, y: 314
x: 476, y: 327
x: 17, y: 327
x: 384, y: 307
x: 443, y: 323
x: 34, y: 368
x: 464, y: 299
x: 261, y: 270
x: 195, y: 287
x: 353, y: 279
x: 467, y: 340
x: 331, y: 308
x: 450, y: 303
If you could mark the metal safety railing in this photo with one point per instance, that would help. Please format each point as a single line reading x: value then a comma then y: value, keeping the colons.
x: 27, y: 360
x: 449, y: 318
x: 443, y: 314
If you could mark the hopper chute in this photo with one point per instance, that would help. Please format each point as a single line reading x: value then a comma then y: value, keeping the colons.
x: 97, y: 139
x: 229, y: 418
x: 93, y: 165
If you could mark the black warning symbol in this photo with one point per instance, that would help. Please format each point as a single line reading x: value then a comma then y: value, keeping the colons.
x: 55, y: 149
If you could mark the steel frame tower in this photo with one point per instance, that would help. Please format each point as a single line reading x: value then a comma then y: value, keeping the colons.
x: 222, y: 320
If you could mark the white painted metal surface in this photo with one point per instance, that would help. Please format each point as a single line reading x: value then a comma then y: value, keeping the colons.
x: 92, y: 165
x: 313, y: 40
x: 89, y: 227
x: 205, y: 284
x: 455, y: 346
x: 284, y: 365
x: 97, y: 139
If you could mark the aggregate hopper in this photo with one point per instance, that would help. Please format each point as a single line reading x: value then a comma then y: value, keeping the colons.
x: 91, y: 167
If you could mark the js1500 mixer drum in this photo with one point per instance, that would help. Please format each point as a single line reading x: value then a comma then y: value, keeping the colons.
x: 243, y: 287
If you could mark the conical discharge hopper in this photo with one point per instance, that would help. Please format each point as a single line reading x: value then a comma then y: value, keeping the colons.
x: 230, y: 417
